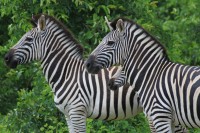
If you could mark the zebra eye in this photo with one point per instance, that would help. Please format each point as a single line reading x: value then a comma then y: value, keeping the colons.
x: 110, y: 43
x: 29, y: 39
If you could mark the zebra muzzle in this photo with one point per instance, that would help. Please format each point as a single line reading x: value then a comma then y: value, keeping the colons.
x: 91, y: 65
x: 9, y: 59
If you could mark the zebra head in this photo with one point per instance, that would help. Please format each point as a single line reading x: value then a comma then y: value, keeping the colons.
x: 111, y: 49
x: 29, y: 47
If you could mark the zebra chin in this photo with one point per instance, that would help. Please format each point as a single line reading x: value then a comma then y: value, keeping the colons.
x: 12, y: 64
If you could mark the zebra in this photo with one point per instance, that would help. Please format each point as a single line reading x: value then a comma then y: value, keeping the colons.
x: 77, y: 94
x: 169, y: 92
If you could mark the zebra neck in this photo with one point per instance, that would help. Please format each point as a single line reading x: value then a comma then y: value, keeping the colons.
x: 145, y: 57
x: 61, y: 65
x: 142, y: 65
x: 143, y: 76
x: 145, y: 61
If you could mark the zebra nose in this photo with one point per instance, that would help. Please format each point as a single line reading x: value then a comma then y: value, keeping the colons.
x: 9, y: 55
x: 88, y: 65
x: 91, y: 65
x: 6, y: 58
x: 90, y: 62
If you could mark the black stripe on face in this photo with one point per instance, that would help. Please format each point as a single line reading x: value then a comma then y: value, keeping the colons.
x: 198, y: 107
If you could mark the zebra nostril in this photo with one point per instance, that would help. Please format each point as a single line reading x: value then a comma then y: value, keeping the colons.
x: 88, y: 65
x: 6, y: 58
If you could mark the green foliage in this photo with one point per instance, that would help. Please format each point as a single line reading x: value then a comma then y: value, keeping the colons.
x: 35, y: 111
x: 26, y: 101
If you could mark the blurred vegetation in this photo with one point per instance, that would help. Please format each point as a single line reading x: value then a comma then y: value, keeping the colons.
x: 26, y: 101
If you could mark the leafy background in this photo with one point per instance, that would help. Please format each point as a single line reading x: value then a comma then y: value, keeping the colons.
x: 26, y: 101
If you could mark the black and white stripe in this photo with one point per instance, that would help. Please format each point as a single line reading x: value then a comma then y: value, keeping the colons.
x: 77, y: 94
x: 169, y: 92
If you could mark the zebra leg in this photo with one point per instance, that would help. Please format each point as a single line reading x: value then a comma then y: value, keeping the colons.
x: 69, y: 124
x: 163, y: 124
x: 77, y: 116
x: 162, y: 118
x: 118, y: 80
x: 180, y: 129
x: 151, y: 126
x: 78, y: 122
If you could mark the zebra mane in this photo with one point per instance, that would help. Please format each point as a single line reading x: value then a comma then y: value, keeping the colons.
x: 34, y: 22
x: 114, y: 22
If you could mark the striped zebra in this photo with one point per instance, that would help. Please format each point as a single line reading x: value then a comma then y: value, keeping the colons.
x: 169, y: 92
x: 77, y: 94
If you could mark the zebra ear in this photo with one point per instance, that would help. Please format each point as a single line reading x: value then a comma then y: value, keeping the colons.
x: 33, y: 21
x: 108, y: 23
x: 120, y: 25
x: 41, y: 23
